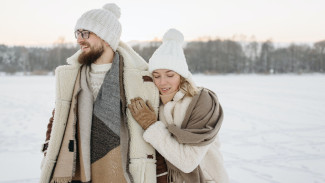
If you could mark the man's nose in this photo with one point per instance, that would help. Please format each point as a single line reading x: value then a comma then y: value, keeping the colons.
x: 80, y: 39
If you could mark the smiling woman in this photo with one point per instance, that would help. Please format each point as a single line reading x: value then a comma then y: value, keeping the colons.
x: 167, y: 81
x: 186, y: 134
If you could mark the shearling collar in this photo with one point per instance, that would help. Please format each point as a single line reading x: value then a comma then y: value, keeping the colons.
x: 166, y: 98
x: 178, y: 96
x: 73, y: 60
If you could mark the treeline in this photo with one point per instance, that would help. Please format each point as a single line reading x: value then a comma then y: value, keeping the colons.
x: 34, y: 60
x: 227, y: 56
x: 210, y: 56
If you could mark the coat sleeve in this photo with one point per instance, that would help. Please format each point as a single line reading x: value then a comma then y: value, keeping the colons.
x: 184, y: 157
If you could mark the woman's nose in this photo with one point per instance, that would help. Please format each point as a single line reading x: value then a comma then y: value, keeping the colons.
x: 163, y: 81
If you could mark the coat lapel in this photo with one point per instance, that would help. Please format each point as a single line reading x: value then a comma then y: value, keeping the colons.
x: 66, y: 163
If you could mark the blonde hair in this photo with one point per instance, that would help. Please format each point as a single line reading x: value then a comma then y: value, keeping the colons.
x: 189, y: 89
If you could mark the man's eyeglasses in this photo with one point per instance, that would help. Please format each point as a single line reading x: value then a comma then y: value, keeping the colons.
x: 84, y: 34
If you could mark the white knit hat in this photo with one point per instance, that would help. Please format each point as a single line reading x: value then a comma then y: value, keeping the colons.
x: 104, y: 23
x: 170, y: 54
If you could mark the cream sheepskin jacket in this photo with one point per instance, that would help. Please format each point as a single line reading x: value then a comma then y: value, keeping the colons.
x: 142, y: 165
x: 184, y: 157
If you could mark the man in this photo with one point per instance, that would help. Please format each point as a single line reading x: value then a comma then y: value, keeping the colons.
x: 93, y: 137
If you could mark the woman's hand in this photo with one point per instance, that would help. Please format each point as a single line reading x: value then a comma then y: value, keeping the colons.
x: 142, y: 112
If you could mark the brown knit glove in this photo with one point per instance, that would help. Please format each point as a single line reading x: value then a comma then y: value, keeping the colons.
x: 49, y: 126
x: 142, y: 112
x: 48, y: 134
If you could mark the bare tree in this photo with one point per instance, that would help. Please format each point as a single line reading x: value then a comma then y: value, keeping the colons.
x: 320, y: 47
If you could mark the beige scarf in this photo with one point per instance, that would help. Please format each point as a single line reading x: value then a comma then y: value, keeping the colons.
x: 200, y: 126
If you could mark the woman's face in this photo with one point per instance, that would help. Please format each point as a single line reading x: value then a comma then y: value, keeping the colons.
x: 167, y: 81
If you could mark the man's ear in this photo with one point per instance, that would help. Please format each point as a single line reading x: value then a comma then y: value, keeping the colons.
x: 107, y: 45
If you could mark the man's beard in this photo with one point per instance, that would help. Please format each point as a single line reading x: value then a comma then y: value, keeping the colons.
x: 90, y: 57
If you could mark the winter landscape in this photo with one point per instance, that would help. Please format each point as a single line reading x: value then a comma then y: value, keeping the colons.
x: 273, y: 130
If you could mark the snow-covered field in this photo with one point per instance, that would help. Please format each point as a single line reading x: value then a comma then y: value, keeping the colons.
x: 273, y: 130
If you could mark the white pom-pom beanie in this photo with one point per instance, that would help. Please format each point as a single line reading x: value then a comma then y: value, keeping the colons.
x: 170, y: 54
x: 104, y: 23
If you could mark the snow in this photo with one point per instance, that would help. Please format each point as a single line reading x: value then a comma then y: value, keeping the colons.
x: 273, y: 130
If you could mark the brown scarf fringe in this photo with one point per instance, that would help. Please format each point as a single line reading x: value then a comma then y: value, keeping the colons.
x: 61, y: 180
x: 174, y: 176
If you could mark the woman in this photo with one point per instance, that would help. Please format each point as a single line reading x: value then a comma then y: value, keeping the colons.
x: 185, y: 136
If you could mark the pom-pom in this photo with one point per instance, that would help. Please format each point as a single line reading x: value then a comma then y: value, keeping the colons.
x: 114, y: 9
x: 173, y: 34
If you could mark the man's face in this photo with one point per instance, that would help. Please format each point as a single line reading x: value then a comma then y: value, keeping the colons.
x: 87, y: 40
x: 92, y: 47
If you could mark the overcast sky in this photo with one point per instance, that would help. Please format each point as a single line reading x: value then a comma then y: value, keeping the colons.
x: 42, y: 22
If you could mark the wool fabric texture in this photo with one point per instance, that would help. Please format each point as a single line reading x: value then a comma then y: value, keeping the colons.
x: 105, y: 130
x: 107, y: 104
x: 96, y: 76
x: 170, y: 54
x: 104, y: 23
